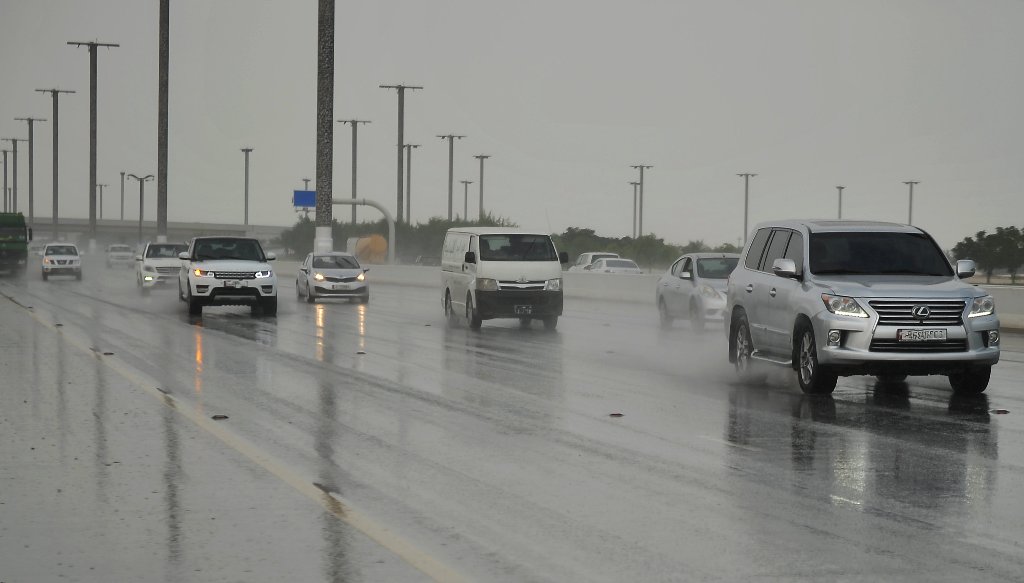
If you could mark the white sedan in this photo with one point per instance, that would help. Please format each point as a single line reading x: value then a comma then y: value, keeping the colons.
x: 335, y: 274
x: 614, y: 266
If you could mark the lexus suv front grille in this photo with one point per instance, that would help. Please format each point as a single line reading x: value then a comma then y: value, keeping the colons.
x: 928, y: 312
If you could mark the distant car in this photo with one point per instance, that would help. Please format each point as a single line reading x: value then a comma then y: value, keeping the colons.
x: 227, y: 271
x: 334, y: 275
x: 61, y: 259
x: 694, y: 288
x: 120, y: 255
x: 614, y: 266
x: 584, y: 260
x: 158, y: 265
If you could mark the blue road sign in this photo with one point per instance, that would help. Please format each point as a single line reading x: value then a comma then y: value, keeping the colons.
x: 304, y: 198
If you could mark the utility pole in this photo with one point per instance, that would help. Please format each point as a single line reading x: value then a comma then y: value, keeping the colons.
x: 31, y: 169
x: 481, y: 157
x: 401, y: 137
x: 247, y: 151
x: 840, y: 189
x: 355, y: 127
x: 324, y: 239
x: 465, y: 199
x: 635, y: 184
x: 142, y: 188
x: 640, y: 215
x: 910, y: 183
x: 306, y: 181
x: 746, y: 201
x: 92, y: 134
x: 122, y: 196
x: 101, y: 187
x: 163, y: 80
x: 14, y: 174
x: 451, y: 166
x: 408, y: 181
x: 54, y: 93
x: 7, y: 203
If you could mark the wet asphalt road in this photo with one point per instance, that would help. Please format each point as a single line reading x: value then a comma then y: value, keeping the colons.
x: 447, y: 454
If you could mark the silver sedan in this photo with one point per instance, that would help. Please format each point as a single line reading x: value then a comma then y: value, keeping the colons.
x: 335, y: 274
x: 694, y: 288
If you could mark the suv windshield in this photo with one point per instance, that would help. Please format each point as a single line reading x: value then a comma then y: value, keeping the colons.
x: 716, y: 268
x: 335, y: 262
x: 165, y: 250
x: 61, y: 250
x: 876, y: 254
x: 517, y: 248
x: 237, y: 249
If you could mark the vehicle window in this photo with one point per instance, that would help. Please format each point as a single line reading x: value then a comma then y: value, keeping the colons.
x: 795, y: 251
x: 220, y: 249
x: 119, y: 249
x: 61, y: 250
x: 716, y: 267
x: 517, y: 248
x: 12, y: 234
x: 620, y: 263
x: 335, y: 262
x: 756, y: 250
x: 604, y: 256
x: 677, y: 267
x: 776, y: 249
x: 165, y: 250
x: 876, y: 254
x: 687, y: 266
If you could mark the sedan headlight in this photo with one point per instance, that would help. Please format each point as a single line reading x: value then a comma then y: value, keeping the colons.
x: 708, y: 292
x: 318, y: 276
x: 263, y: 274
x: 486, y: 284
x: 202, y: 273
x: 553, y: 284
x: 843, y: 306
x: 361, y: 277
x: 983, y: 306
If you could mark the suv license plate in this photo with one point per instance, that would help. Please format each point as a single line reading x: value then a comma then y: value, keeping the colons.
x: 523, y: 310
x: 920, y: 335
x: 231, y: 283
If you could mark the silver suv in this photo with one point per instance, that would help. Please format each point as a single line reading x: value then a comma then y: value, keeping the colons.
x: 840, y: 298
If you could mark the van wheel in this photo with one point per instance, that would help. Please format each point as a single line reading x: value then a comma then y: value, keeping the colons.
x: 550, y: 322
x: 696, y: 318
x: 971, y: 381
x: 813, y: 377
x: 472, y: 315
x: 663, y: 316
x: 449, y: 313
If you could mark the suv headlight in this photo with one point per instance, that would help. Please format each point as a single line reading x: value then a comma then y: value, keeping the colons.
x: 553, y: 284
x: 202, y: 273
x: 264, y: 274
x: 983, y: 306
x: 708, y: 292
x: 486, y: 284
x: 843, y: 306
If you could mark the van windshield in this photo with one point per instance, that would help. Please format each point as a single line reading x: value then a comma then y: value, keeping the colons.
x: 879, y: 253
x: 517, y: 248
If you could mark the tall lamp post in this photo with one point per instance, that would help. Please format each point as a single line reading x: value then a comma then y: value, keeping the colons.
x: 451, y: 166
x: 246, y: 151
x: 401, y: 137
x: 465, y: 199
x: 7, y: 202
x: 481, y: 157
x: 31, y: 169
x: 840, y: 189
x: 635, y: 184
x: 910, y: 210
x: 142, y: 187
x: 13, y: 206
x: 355, y: 127
x: 122, y: 196
x: 408, y: 181
x: 101, y: 187
x: 746, y: 200
x: 54, y: 94
x: 640, y: 214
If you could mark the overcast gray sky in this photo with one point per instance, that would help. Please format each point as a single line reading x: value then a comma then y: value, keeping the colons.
x: 565, y: 95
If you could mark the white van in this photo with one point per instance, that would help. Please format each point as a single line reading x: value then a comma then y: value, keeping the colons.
x: 495, y: 272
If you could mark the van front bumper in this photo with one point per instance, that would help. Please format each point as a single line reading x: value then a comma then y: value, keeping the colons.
x: 518, y: 304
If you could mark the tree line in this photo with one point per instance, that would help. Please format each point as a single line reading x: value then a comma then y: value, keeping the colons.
x: 1003, y: 249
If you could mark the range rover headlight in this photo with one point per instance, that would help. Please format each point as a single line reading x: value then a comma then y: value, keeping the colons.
x: 983, y: 306
x: 486, y: 284
x: 263, y: 274
x: 843, y: 306
x: 553, y: 284
x: 202, y: 273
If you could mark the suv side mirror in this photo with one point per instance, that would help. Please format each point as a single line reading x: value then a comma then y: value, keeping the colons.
x: 785, y: 268
x: 965, y: 268
x: 470, y: 257
x: 183, y: 255
x: 563, y: 257
x: 271, y: 256
x: 686, y: 275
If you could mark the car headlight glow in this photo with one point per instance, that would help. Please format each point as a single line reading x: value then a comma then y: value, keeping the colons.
x: 843, y: 306
x: 202, y: 273
x: 263, y: 274
x: 47, y: 261
x: 983, y: 306
x: 708, y: 292
x: 361, y: 277
x: 486, y: 284
x: 553, y: 284
x: 318, y: 276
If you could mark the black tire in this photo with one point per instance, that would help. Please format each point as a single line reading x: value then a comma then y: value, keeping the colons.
x: 195, y: 306
x: 891, y: 379
x: 269, y: 306
x: 664, y: 317
x: 449, y: 313
x: 310, y: 294
x: 78, y: 276
x: 298, y: 293
x: 696, y: 318
x: 550, y: 322
x: 472, y: 315
x: 525, y: 322
x: 814, y: 378
x: 45, y: 276
x: 365, y: 298
x: 742, y: 347
x: 972, y: 381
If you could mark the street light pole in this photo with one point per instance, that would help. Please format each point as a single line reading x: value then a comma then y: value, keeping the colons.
x: 246, y: 151
x: 31, y: 168
x: 14, y: 174
x: 481, y: 157
x: 635, y: 184
x: 101, y: 187
x: 640, y: 215
x: 7, y: 204
x: 401, y: 137
x: 746, y: 201
x: 465, y: 199
x: 323, y: 241
x: 408, y: 181
x: 910, y: 211
x: 142, y: 188
x: 355, y: 127
x: 451, y: 166
x: 92, y: 134
x: 840, y: 189
x: 163, y: 82
x: 54, y: 93
x: 122, y: 196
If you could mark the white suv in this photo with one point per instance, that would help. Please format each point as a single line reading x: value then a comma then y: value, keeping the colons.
x: 837, y: 298
x: 224, y: 271
x: 158, y: 265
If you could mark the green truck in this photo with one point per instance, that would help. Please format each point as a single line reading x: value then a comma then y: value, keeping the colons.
x: 14, y: 238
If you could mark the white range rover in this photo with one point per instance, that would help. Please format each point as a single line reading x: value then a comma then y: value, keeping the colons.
x: 227, y: 271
